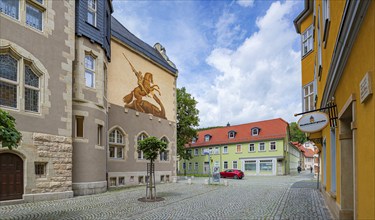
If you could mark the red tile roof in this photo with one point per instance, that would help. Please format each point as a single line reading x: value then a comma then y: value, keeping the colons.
x: 309, y: 153
x: 269, y: 129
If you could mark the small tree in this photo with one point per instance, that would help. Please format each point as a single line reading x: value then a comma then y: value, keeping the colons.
x: 151, y: 148
x: 9, y: 136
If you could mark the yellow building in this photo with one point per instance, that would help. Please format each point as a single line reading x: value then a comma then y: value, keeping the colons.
x: 338, y: 60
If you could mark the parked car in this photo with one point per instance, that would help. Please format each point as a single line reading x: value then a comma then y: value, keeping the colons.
x: 232, y: 173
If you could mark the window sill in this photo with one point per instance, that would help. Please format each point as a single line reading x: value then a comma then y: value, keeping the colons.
x: 272, y: 150
x: 261, y: 150
x: 307, y: 54
x: 116, y: 159
x: 99, y: 147
x: 251, y: 151
x: 238, y: 152
x: 81, y: 140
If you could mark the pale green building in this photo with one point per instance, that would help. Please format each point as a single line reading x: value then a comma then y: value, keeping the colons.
x: 257, y: 148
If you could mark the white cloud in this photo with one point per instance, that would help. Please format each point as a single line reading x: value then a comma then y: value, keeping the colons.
x: 228, y: 30
x: 260, y: 79
x: 246, y: 3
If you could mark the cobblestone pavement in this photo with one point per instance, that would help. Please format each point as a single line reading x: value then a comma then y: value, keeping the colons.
x: 277, y: 197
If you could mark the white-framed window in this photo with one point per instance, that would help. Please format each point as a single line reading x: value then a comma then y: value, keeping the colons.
x: 234, y: 164
x: 91, y: 12
x: 254, y: 131
x: 140, y: 138
x: 250, y: 165
x: 225, y: 164
x: 231, y: 134
x: 10, y: 8
x: 308, y: 97
x: 164, y: 155
x: 262, y: 147
x: 251, y: 147
x: 239, y: 148
x: 34, y: 12
x: 216, y: 150
x: 203, y: 151
x: 210, y: 150
x: 196, y: 152
x: 207, y: 137
x: 190, y: 166
x: 90, y: 71
x: 193, y: 140
x: 116, y: 144
x: 225, y: 149
x: 18, y: 77
x: 307, y: 40
x: 196, y: 166
x: 272, y: 145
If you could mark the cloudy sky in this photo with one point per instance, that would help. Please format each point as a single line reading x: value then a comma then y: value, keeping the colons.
x: 240, y: 59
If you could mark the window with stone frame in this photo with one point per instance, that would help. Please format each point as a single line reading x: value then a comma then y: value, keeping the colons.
x: 140, y: 137
x: 40, y: 169
x: 225, y: 149
x: 32, y: 16
x: 10, y: 8
x: 91, y: 12
x: 234, y: 164
x: 90, y: 71
x: 164, y: 155
x: 196, y: 166
x: 116, y: 144
x: 196, y: 152
x: 18, y: 76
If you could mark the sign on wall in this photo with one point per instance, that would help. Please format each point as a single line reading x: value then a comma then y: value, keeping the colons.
x: 313, y: 122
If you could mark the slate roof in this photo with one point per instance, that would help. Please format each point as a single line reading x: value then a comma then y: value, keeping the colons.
x: 124, y: 35
x: 269, y: 130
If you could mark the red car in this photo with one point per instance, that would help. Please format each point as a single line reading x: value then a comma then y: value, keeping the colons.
x: 232, y: 173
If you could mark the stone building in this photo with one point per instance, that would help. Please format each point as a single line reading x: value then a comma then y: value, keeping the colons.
x: 79, y: 137
x: 36, y: 73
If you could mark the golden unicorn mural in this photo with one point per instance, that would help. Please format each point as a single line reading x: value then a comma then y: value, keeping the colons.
x: 146, y: 87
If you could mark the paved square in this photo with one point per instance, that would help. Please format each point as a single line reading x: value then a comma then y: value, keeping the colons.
x: 274, y: 197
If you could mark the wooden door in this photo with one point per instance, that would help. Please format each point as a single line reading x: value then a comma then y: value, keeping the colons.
x: 11, y: 177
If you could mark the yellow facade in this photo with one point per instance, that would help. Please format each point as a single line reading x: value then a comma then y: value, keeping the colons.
x: 347, y: 50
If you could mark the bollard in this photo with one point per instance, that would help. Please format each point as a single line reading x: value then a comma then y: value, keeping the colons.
x: 192, y: 177
x: 186, y: 177
x: 226, y: 183
x: 174, y: 179
x: 189, y: 181
x: 206, y: 181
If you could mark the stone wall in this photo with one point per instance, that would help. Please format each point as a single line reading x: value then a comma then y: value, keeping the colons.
x: 56, y: 151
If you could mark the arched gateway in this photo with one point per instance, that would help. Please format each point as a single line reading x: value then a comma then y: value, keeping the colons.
x: 11, y: 176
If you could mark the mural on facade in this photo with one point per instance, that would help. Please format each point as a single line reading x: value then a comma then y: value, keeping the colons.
x: 146, y: 87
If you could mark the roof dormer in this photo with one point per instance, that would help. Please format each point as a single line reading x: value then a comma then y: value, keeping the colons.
x: 255, y: 131
x: 207, y: 137
x: 231, y: 134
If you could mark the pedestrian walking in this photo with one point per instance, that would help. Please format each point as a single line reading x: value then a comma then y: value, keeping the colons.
x: 299, y: 169
x: 311, y: 169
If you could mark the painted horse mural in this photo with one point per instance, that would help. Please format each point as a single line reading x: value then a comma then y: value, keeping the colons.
x: 146, y: 87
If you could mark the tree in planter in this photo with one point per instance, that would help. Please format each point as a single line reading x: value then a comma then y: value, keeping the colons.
x: 9, y: 136
x: 151, y: 148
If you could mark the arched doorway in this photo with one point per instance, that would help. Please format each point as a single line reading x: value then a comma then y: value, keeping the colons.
x: 11, y: 177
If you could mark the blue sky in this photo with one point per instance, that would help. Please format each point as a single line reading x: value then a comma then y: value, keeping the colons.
x: 239, y: 59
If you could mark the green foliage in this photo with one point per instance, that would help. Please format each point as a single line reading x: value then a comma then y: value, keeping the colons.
x: 187, y: 119
x: 151, y: 147
x: 9, y: 136
x: 296, y: 134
